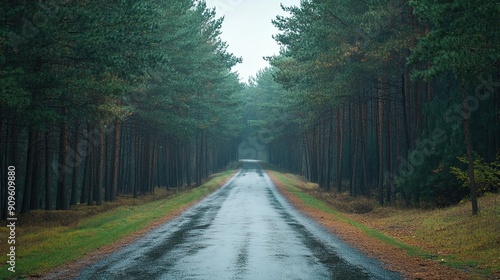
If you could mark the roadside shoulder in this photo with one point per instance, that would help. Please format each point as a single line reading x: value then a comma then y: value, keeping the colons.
x: 359, y: 235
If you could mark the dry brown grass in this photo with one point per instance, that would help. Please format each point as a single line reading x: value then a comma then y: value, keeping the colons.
x: 452, y: 235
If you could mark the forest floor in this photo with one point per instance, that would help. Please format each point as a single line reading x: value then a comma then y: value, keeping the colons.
x: 420, y: 244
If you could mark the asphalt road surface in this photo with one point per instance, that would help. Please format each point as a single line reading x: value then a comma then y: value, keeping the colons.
x: 245, y: 230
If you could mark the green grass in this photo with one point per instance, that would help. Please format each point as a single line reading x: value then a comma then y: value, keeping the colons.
x: 40, y: 248
x: 476, y: 237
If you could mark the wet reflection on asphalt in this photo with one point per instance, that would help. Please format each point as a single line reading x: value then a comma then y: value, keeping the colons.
x: 245, y: 230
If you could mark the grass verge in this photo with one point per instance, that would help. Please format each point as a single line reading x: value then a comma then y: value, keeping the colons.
x: 450, y: 236
x: 44, y: 242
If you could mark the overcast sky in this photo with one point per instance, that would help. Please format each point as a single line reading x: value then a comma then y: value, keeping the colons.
x: 247, y: 29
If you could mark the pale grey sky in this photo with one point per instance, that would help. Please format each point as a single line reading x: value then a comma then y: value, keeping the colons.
x: 247, y: 29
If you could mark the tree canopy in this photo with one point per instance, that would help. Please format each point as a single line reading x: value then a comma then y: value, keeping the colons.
x: 125, y: 95
x: 374, y: 86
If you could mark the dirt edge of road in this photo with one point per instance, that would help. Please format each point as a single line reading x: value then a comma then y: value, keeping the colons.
x: 392, y: 258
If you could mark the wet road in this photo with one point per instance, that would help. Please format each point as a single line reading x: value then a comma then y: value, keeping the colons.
x: 245, y: 230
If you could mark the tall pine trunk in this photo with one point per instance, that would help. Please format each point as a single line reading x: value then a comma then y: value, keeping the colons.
x: 391, y: 191
x: 380, y: 142
x: 354, y: 177
x: 29, y: 171
x: 154, y: 160
x: 116, y: 160
x: 76, y: 157
x: 37, y: 170
x: 99, y: 187
x: 85, y: 182
x: 137, y: 161
x: 62, y: 191
x: 329, y: 151
x: 340, y: 146
x: 470, y: 159
x: 364, y: 147
x: 48, y: 177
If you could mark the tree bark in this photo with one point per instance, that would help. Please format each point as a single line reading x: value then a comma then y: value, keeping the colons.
x: 116, y: 159
x: 100, y: 167
x: 354, y: 179
x: 29, y: 171
x: 340, y: 146
x: 380, y: 141
x: 37, y: 170
x: 306, y: 165
x: 391, y: 191
x: 154, y: 159
x: 198, y: 152
x: 91, y: 177
x: 188, y: 165
x: 85, y: 184
x: 406, y: 89
x: 76, y: 163
x: 321, y: 154
x: 329, y: 151
x: 48, y: 159
x: 470, y: 159
x: 62, y: 170
x: 137, y: 162
x: 207, y: 163
x: 364, y: 146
